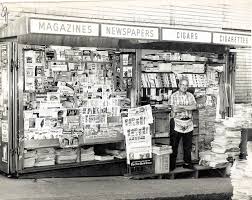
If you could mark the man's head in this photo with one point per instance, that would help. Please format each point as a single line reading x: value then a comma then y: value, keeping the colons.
x: 183, y: 85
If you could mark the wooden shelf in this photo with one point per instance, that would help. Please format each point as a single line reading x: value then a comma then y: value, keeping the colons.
x: 104, y: 142
x: 194, y: 135
x: 174, y: 61
x: 171, y: 87
x: 156, y: 72
x: 70, y: 165
x: 81, y: 61
x: 40, y: 145
x: 215, y: 63
x: 171, y: 72
x: 160, y: 87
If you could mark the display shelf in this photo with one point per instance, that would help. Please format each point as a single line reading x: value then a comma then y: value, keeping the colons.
x: 143, y: 71
x: 33, y: 146
x: 160, y: 87
x: 172, y: 87
x: 215, y: 63
x: 102, y: 142
x: 162, y: 137
x: 43, y: 143
x: 82, y: 61
x: 96, y: 61
x: 174, y: 61
x: 70, y: 165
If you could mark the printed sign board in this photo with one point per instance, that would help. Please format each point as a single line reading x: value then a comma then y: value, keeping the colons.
x: 186, y: 35
x: 63, y: 27
x: 134, y: 32
x: 232, y: 39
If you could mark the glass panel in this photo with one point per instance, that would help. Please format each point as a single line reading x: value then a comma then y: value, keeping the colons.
x: 71, y: 100
x: 4, y: 105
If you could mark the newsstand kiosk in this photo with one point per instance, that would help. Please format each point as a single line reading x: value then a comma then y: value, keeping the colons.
x: 65, y: 85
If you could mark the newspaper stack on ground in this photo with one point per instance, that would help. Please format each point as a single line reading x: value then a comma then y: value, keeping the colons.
x: 227, y: 138
x: 241, y: 177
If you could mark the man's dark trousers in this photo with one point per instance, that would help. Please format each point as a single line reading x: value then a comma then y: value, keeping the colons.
x: 174, y: 142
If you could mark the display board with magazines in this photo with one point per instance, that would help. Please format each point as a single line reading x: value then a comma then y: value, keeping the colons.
x: 71, y: 101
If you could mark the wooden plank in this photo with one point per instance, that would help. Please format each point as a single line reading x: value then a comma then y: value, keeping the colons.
x: 70, y: 165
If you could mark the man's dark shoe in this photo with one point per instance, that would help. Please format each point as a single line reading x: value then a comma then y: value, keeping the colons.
x: 188, y: 166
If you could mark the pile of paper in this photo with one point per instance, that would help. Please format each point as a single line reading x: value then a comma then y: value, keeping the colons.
x: 68, y: 155
x: 29, y: 158
x: 241, y: 176
x: 227, y: 138
x: 104, y: 157
x: 120, y: 154
x: 208, y: 158
x: 45, y: 157
x: 87, y: 154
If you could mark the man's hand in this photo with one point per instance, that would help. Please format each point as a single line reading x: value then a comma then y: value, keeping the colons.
x: 178, y: 109
x: 191, y: 107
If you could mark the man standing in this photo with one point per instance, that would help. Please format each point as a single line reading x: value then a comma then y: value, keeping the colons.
x: 181, y: 124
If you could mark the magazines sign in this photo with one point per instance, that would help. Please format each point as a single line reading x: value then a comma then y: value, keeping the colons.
x: 136, y: 129
x: 63, y: 27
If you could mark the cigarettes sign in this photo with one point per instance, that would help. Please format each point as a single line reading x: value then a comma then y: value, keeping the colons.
x: 232, y: 39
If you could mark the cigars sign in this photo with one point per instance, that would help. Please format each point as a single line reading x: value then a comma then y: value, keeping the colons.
x: 186, y: 35
x: 61, y: 27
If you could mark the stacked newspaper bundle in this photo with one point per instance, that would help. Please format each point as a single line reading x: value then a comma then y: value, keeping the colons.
x: 120, y: 154
x: 209, y: 158
x: 87, y: 154
x: 241, y: 177
x: 67, y: 155
x: 103, y: 157
x: 29, y: 158
x: 228, y: 142
x: 45, y: 157
x: 227, y: 138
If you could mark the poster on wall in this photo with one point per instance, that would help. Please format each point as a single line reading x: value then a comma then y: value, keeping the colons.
x: 5, y: 132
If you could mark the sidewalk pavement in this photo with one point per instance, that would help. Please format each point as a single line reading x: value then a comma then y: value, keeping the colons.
x: 95, y: 188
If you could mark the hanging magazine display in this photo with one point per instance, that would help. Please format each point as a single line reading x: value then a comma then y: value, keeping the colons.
x: 70, y: 99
